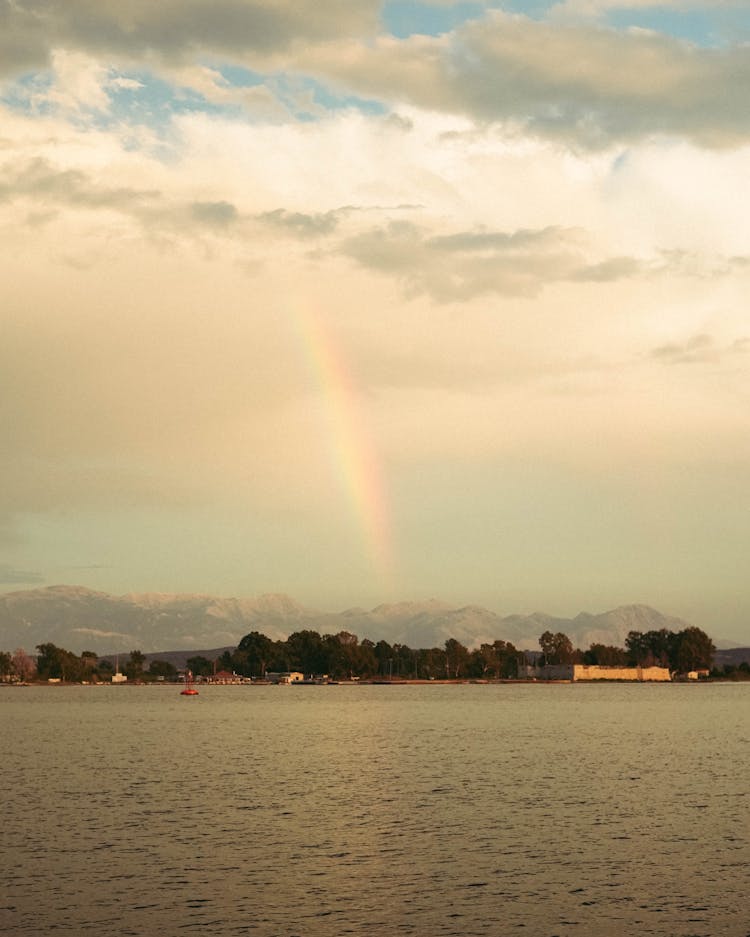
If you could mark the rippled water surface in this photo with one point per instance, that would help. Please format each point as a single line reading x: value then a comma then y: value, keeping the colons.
x: 427, y: 810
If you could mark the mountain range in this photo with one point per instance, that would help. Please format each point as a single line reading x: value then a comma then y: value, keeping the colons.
x: 81, y: 619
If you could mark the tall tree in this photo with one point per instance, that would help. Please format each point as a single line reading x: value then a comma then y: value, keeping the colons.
x: 200, y: 666
x: 557, y: 648
x: 307, y: 652
x: 88, y: 662
x: 637, y: 647
x: 661, y: 645
x: 693, y: 650
x: 57, y: 663
x: 225, y: 661
x: 456, y: 658
x: 432, y: 662
x: 384, y: 656
x: 257, y: 649
x: 342, y: 654
x: 366, y: 664
x: 507, y: 659
x: 135, y: 664
x: 606, y: 655
x: 162, y: 668
x: 403, y: 657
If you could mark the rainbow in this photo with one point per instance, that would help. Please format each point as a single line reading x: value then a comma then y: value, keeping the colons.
x: 352, y: 454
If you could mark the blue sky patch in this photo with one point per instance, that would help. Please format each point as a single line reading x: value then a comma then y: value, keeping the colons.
x: 327, y: 98
x: 705, y: 26
x: 143, y: 99
x: 697, y: 26
x: 402, y: 18
x: 238, y: 76
x: 156, y: 101
x: 534, y: 9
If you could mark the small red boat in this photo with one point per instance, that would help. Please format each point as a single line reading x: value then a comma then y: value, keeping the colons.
x: 189, y: 688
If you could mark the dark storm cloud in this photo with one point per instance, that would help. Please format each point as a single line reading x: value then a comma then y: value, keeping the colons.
x: 582, y: 83
x: 219, y: 214
x: 300, y: 224
x: 700, y: 349
x: 615, y: 268
x: 170, y: 29
x: 41, y: 181
x: 465, y: 264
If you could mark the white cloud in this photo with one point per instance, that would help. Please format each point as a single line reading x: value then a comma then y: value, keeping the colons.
x: 124, y: 84
x: 79, y: 83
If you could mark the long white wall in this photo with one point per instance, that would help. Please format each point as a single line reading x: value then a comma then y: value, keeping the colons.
x: 591, y: 672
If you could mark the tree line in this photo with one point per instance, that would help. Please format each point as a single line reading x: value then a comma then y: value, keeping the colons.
x: 344, y: 656
x: 340, y: 656
x: 679, y: 651
x: 58, y: 663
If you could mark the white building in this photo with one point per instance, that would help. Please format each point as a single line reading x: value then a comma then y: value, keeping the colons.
x: 577, y: 672
x: 290, y: 677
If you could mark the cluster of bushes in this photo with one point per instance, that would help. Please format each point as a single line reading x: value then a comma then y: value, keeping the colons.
x: 732, y: 672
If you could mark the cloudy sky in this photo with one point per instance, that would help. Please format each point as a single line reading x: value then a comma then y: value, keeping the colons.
x: 365, y: 301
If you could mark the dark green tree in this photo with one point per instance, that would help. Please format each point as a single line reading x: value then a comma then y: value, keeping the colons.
x: 48, y: 664
x: 384, y: 656
x: 432, y: 663
x: 134, y: 665
x: 57, y: 663
x: 342, y: 654
x: 650, y: 648
x: 89, y: 661
x: 257, y: 649
x: 162, y: 668
x: 456, y: 659
x: 692, y: 650
x: 606, y: 655
x: 225, y: 661
x: 482, y: 663
x: 403, y: 660
x: 636, y: 647
x: 307, y: 652
x: 506, y: 655
x: 365, y: 661
x: 498, y: 660
x: 661, y: 643
x: 201, y: 666
x: 556, y: 648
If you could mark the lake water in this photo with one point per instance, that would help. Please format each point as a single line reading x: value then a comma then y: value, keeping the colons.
x: 426, y: 810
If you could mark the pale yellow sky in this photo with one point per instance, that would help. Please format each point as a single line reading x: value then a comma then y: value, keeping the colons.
x: 303, y: 303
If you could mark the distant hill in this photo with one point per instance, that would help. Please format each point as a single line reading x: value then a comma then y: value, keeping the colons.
x: 81, y: 619
x: 732, y: 656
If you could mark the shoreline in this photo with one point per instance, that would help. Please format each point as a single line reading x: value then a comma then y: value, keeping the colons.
x: 355, y: 683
